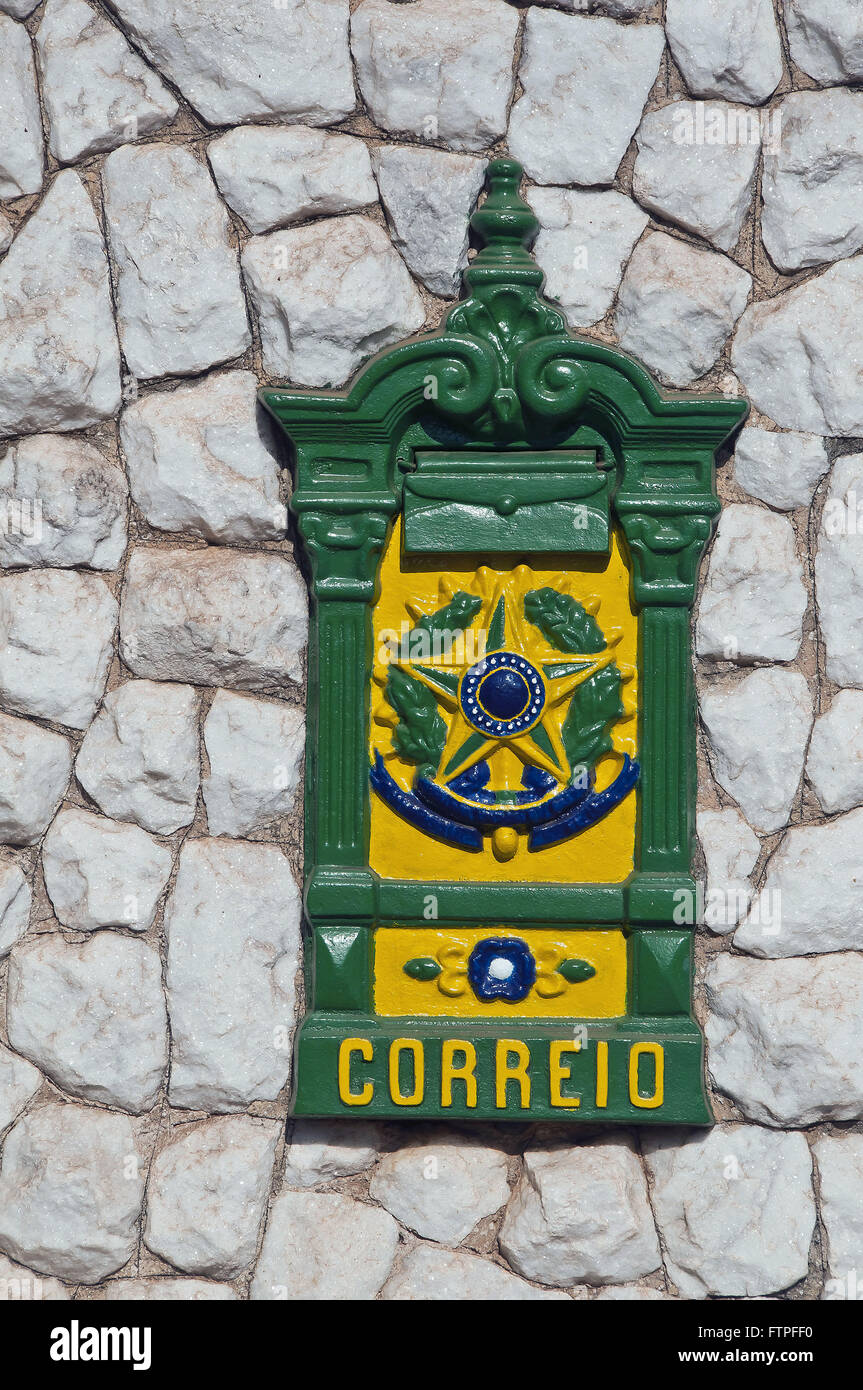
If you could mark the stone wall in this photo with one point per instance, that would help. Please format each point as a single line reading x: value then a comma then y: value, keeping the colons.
x: 202, y: 195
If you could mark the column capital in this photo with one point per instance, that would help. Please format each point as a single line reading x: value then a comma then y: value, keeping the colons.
x: 343, y: 548
x: 666, y: 545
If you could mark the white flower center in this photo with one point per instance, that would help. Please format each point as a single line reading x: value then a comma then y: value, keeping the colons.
x: 500, y: 968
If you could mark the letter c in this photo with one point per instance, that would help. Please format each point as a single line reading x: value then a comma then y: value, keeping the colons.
x: 347, y: 1047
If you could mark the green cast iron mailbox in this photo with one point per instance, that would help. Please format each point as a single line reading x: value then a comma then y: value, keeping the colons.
x: 503, y: 525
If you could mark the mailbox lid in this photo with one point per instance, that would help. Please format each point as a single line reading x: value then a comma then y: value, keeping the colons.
x: 507, y: 503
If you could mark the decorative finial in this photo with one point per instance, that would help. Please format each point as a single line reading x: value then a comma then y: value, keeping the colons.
x: 507, y: 226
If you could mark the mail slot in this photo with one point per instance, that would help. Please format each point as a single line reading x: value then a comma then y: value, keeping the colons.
x: 506, y: 503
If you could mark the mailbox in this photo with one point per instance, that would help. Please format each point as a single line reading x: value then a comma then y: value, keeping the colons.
x: 502, y: 524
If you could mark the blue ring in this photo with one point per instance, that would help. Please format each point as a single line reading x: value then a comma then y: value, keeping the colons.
x: 486, y: 723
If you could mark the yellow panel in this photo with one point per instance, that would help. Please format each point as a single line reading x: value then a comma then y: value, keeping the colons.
x: 604, y: 853
x: 450, y: 994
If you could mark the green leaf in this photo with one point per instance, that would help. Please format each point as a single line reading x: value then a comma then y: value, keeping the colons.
x: 594, y: 709
x: 420, y: 734
x: 422, y: 968
x: 563, y: 621
x: 575, y: 971
x: 455, y: 616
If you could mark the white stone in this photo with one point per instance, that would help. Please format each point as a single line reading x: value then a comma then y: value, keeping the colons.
x: 834, y: 763
x: 734, y: 1207
x: 167, y: 1291
x: 21, y: 155
x: 180, y: 306
x: 201, y: 460
x: 97, y: 92
x: 782, y: 469
x: 328, y: 296
x: 322, y: 1247
x: 840, y: 1167
x: 208, y: 1194
x: 57, y: 633
x: 71, y: 1188
x: 812, y: 183
x: 214, y: 617
x: 730, y: 852
x: 274, y: 175
x: 725, y: 48
x: 677, y: 306
x: 320, y: 1150
x: 244, y: 59
x: 7, y: 233
x: 630, y: 1293
x: 139, y: 759
x: 703, y: 186
x: 19, y: 1082
x: 800, y: 354
x: 742, y: 717
x: 839, y: 571
x: 15, y: 896
x: 71, y: 501
x: 810, y: 899
x: 585, y: 240
x: 59, y: 359
x: 429, y: 196
x: 255, y: 750
x: 581, y: 1213
x: 429, y: 1275
x: 436, y: 69
x: 19, y: 9
x: 754, y: 598
x: 826, y: 38
x: 441, y: 1188
x: 784, y: 1036
x: 233, y: 929
x: 618, y: 9
x: 34, y: 770
x: 91, y: 1016
x: 585, y: 83
x: 103, y: 873
x: 20, y: 1285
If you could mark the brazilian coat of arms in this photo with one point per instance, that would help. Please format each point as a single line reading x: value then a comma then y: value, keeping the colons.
x: 503, y: 699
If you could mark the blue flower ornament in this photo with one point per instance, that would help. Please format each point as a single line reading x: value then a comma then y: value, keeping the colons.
x: 501, y: 967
